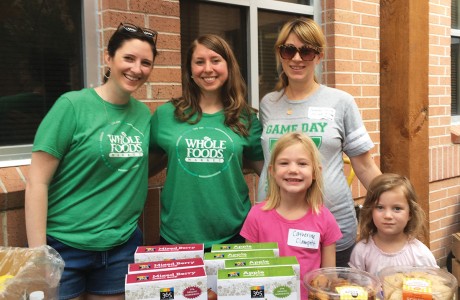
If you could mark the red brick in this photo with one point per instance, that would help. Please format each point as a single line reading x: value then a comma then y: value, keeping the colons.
x: 16, y: 228
x: 167, y: 91
x: 168, y: 58
x: 115, y: 4
x: 166, y: 75
x: 12, y: 180
x: 164, y: 8
x: 150, y: 218
x: 163, y: 24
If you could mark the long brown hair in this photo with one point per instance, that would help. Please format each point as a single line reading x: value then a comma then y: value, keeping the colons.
x: 233, y: 93
x: 306, y: 30
x: 415, y: 227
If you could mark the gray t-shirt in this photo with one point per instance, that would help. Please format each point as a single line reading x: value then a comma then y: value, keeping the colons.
x: 331, y: 118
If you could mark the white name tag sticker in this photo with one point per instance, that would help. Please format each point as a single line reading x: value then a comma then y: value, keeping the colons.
x: 303, y: 239
x: 321, y: 113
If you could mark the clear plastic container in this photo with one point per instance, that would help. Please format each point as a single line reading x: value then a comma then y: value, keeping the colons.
x: 418, y: 282
x: 37, y: 295
x: 341, y: 283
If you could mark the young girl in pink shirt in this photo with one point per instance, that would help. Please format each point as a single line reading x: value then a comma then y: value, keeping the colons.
x: 390, y: 222
x: 294, y: 215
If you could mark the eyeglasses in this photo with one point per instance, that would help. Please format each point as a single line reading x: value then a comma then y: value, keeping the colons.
x: 307, y: 53
x: 133, y: 28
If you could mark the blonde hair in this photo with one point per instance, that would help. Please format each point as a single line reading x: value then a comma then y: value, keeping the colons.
x: 306, y: 30
x: 314, y: 195
x: 415, y: 227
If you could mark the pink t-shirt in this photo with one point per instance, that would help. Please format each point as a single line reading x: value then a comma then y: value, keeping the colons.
x: 302, y: 238
x: 368, y: 257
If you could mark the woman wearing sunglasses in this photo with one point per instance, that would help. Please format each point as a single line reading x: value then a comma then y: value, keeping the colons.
x: 88, y: 178
x: 329, y: 116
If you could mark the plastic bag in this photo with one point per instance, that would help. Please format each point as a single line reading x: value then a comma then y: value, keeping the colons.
x: 33, y: 269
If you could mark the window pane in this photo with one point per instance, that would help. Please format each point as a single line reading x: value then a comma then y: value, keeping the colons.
x: 269, y: 25
x: 454, y: 14
x: 41, y: 58
x: 227, y: 21
x: 455, y: 107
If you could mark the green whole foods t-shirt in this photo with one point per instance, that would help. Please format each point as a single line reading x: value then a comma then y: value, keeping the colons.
x: 100, y: 186
x: 205, y: 198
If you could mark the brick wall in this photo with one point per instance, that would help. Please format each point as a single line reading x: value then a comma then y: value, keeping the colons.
x: 444, y: 156
x: 352, y: 61
x: 12, y: 184
x: 352, y: 64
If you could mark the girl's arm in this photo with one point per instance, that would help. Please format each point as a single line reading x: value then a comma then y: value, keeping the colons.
x: 328, y: 256
x: 365, y: 168
x: 41, y: 172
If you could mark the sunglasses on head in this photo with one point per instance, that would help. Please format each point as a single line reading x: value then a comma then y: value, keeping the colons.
x: 133, y: 29
x: 307, y: 53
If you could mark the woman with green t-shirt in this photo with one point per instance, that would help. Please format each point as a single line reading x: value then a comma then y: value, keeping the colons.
x: 87, y: 182
x: 206, y: 135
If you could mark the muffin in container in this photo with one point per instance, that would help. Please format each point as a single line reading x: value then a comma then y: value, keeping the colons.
x: 404, y: 282
x: 341, y: 283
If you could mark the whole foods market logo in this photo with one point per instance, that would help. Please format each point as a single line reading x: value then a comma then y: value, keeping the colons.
x: 204, y: 151
x: 121, y: 146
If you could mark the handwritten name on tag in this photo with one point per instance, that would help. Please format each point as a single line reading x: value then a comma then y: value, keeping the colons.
x: 303, y: 239
x: 318, y: 113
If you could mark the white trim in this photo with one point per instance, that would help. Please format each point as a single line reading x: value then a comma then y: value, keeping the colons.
x: 11, y: 156
x: 455, y: 120
x: 234, y: 2
x: 285, y: 7
x: 91, y: 60
x: 253, y: 56
x: 14, y: 163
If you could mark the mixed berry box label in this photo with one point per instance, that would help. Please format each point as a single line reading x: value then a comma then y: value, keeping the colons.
x: 168, y: 252
x: 179, y: 284
x: 165, y: 265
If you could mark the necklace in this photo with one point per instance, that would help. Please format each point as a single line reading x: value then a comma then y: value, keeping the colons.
x: 118, y: 113
x: 304, y: 95
x: 103, y: 96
